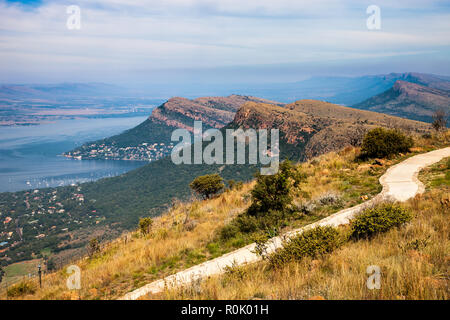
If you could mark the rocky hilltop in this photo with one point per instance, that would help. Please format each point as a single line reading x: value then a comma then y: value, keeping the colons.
x: 214, y: 112
x: 310, y: 127
x: 150, y: 140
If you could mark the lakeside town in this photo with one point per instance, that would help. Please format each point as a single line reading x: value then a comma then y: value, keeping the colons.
x: 142, y: 152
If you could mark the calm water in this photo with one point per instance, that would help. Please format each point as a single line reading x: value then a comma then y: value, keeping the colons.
x: 30, y: 156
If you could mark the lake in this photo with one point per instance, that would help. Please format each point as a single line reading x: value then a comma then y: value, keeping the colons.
x: 30, y: 156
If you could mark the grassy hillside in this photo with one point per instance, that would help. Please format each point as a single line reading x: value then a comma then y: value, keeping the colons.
x: 174, y: 245
x: 188, y: 234
x: 413, y: 260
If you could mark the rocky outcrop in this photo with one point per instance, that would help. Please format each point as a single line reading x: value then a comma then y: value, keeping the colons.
x: 214, y: 112
x: 310, y: 127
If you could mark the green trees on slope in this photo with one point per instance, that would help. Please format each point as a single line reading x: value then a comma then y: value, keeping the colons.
x: 207, y: 185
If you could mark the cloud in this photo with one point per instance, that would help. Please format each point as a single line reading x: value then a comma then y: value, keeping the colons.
x: 130, y: 35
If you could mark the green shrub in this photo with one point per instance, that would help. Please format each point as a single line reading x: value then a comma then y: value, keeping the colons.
x: 260, y: 240
x: 235, y: 272
x: 233, y: 185
x: 207, y: 185
x: 21, y: 289
x: 145, y: 225
x: 310, y: 243
x: 228, y: 232
x: 246, y: 223
x: 382, y: 143
x: 93, y: 247
x: 378, y: 219
x: 273, y: 192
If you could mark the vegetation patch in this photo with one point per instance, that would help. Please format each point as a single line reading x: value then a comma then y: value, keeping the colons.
x: 310, y: 243
x: 207, y: 185
x: 382, y: 143
x: 379, y: 219
x: 21, y: 289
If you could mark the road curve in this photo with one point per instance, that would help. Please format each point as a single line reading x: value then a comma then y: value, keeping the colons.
x: 400, y: 183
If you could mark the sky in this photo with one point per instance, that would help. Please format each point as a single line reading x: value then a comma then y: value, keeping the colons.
x: 139, y: 43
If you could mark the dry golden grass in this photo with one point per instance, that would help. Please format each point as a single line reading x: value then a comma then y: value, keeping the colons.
x: 174, y: 245
x: 414, y: 262
x: 122, y: 266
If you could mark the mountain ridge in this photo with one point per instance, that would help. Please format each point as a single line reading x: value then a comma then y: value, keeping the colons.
x: 411, y: 100
x: 176, y: 113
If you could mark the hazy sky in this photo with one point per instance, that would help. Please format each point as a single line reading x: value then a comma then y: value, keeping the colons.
x: 232, y: 41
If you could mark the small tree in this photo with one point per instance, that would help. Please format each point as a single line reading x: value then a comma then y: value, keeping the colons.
x: 381, y: 143
x: 93, y: 247
x: 272, y: 192
x: 145, y: 225
x: 207, y: 185
x: 439, y: 120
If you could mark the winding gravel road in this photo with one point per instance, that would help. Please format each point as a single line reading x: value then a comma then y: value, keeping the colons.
x: 400, y: 183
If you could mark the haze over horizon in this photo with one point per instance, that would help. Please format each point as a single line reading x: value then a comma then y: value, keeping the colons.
x: 201, y: 42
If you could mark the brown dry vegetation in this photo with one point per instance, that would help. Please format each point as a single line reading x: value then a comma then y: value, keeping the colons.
x: 414, y: 261
x: 185, y: 235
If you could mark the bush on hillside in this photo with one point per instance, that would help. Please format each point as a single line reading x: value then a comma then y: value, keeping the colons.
x: 233, y: 185
x: 93, y: 247
x: 271, y: 204
x: 378, y: 219
x: 207, y: 185
x: 21, y: 289
x: 382, y: 143
x: 329, y: 198
x: 311, y: 243
x: 228, y: 232
x: 145, y: 225
x: 439, y: 120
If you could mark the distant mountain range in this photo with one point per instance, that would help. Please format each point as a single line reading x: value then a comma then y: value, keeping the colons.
x: 410, y: 95
x: 54, y: 92
x: 340, y: 90
x: 411, y: 100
